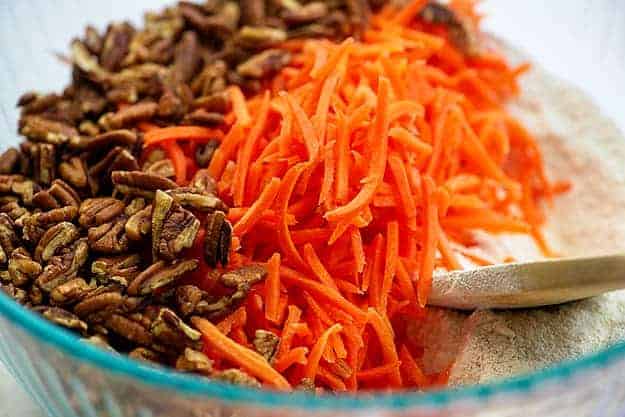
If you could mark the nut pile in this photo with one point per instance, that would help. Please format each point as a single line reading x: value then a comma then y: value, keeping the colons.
x: 93, y: 230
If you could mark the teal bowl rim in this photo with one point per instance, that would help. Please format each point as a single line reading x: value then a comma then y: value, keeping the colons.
x: 50, y: 334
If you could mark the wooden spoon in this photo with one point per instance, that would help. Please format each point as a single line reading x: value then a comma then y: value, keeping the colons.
x: 528, y: 284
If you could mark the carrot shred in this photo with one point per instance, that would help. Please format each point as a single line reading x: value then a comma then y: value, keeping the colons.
x: 193, y: 133
x: 316, y: 352
x: 272, y: 289
x: 264, y: 201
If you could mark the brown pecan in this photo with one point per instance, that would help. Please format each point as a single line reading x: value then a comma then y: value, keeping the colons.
x: 140, y: 183
x: 20, y: 186
x: 241, y: 280
x: 264, y: 63
x: 129, y: 115
x: 15, y: 211
x: 54, y: 239
x: 43, y: 130
x: 159, y: 275
x: 171, y: 330
x: 175, y: 101
x: 186, y: 58
x: 60, y: 194
x: 146, y: 355
x: 265, y: 343
x: 100, y: 341
x: 109, y: 237
x: 116, y: 45
x: 195, y: 199
x: 129, y: 329
x: 22, y: 269
x: 99, y: 306
x: 461, y: 33
x: 214, y: 100
x: 97, y: 211
x: 204, y: 153
x: 35, y: 295
x: 99, y: 177
x: 163, y: 168
x: 187, y: 298
x: 8, y: 238
x: 93, y: 40
x: 173, y: 228
x: 194, y: 361
x: 63, y: 318
x: 307, y: 13
x: 32, y: 102
x: 74, y: 172
x: 124, y: 266
x: 203, y: 118
x: 9, y: 161
x: 35, y: 225
x: 236, y: 376
x: 259, y: 36
x: 63, y: 267
x: 203, y: 182
x: 136, y: 205
x: 217, y: 239
x: 86, y: 63
x: 139, y: 224
x: 18, y: 294
x: 121, y: 137
x: 43, y: 157
x: 70, y: 291
x: 211, y: 83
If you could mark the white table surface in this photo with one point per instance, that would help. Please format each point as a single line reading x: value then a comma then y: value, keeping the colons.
x: 582, y: 41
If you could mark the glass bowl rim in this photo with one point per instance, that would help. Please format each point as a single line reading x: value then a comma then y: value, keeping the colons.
x: 161, y: 377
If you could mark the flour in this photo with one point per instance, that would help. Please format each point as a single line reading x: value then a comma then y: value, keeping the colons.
x: 578, y: 144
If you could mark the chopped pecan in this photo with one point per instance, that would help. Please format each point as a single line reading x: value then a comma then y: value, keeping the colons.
x: 63, y: 267
x: 145, y: 354
x: 70, y: 291
x: 35, y: 225
x: 194, y: 199
x: 159, y: 275
x: 264, y: 63
x: 214, y: 100
x: 129, y: 329
x: 18, y: 294
x: 241, y: 280
x: 8, y: 238
x: 87, y: 64
x: 265, y: 343
x: 35, y: 295
x: 204, y: 153
x: 99, y: 305
x: 109, y: 237
x: 43, y: 158
x: 121, y: 137
x: 217, y: 239
x: 203, y: 182
x: 18, y: 185
x: 139, y: 224
x: 186, y: 58
x: 173, y: 228
x: 15, y: 211
x: 40, y: 129
x: 129, y: 115
x: 171, y: 330
x: 203, y: 118
x: 134, y: 206
x: 140, y: 183
x: 307, y: 13
x: 236, y: 376
x: 9, y: 161
x: 63, y: 318
x: 461, y: 33
x: 54, y: 239
x: 100, y: 173
x: 194, y: 361
x: 22, y: 269
x: 163, y: 168
x: 187, y: 298
x: 124, y: 266
x: 259, y: 36
x: 60, y: 194
x: 74, y: 172
x: 211, y: 83
x: 116, y: 45
x: 175, y: 101
x: 97, y: 211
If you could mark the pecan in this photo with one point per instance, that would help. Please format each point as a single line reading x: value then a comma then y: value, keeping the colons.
x: 264, y: 63
x: 241, y: 280
x: 259, y: 36
x: 238, y: 377
x: 43, y: 158
x: 136, y: 205
x: 109, y: 237
x: 87, y: 64
x: 32, y: 102
x: 194, y: 361
x: 14, y: 292
x: 306, y: 384
x: 16, y: 212
x: 265, y: 343
x: 74, y: 172
x: 70, y: 291
x: 63, y: 267
x: 129, y: 329
x: 203, y: 182
x: 173, y: 228
x: 203, y: 118
x: 100, y: 173
x: 121, y: 137
x: 129, y: 115
x: 175, y: 101
x: 171, y: 330
x: 43, y: 130
x: 35, y: 295
x: 461, y: 33
x: 214, y: 100
x: 210, y: 83
x: 145, y: 354
x: 122, y: 266
x: 8, y: 238
x: 99, y: 305
x: 100, y: 341
x: 55, y: 238
x: 93, y: 40
x: 22, y: 269
x: 116, y: 45
x: 97, y: 211
x: 217, y: 239
x: 60, y: 194
x: 204, y: 153
x: 63, y: 318
x: 9, y: 161
x: 163, y: 168
x: 187, y: 298
x: 35, y: 225
x: 194, y: 199
x: 186, y: 58
x: 307, y: 13
x: 159, y: 275
x: 140, y: 183
x: 139, y: 224
x: 20, y: 186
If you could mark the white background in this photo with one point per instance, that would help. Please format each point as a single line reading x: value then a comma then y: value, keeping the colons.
x: 583, y: 41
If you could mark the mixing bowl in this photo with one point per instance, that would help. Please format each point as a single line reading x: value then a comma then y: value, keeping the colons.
x: 69, y: 378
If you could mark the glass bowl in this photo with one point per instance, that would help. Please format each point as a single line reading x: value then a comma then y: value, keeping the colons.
x: 69, y: 378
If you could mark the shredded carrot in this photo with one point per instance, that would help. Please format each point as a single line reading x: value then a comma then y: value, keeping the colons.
x: 361, y: 168
x: 247, y: 359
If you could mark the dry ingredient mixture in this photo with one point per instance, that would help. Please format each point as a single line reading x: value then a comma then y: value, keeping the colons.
x: 221, y: 193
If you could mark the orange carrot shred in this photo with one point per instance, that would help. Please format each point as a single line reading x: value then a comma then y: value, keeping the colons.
x: 272, y: 288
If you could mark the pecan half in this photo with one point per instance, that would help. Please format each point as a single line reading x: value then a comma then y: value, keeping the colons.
x: 116, y: 45
x: 22, y: 269
x: 40, y: 129
x: 139, y: 224
x: 265, y: 343
x: 140, y: 183
x: 195, y: 199
x: 8, y: 238
x: 70, y: 291
x: 60, y: 194
x: 187, y: 298
x: 74, y: 171
x: 173, y: 228
x: 63, y: 267
x: 109, y: 237
x: 194, y: 361
x: 16, y: 293
x: 99, y: 306
x: 129, y: 329
x: 35, y: 225
x: 63, y: 318
x: 20, y: 186
x: 217, y: 239
x: 264, y: 63
x: 55, y: 238
x: 171, y: 330
x: 129, y: 115
x: 43, y: 157
x: 122, y: 266
x: 9, y: 161
x: 236, y: 376
x: 97, y: 211
x: 144, y: 354
x: 121, y: 137
x: 159, y: 275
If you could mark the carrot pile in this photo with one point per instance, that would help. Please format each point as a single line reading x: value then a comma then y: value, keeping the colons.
x: 362, y: 168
